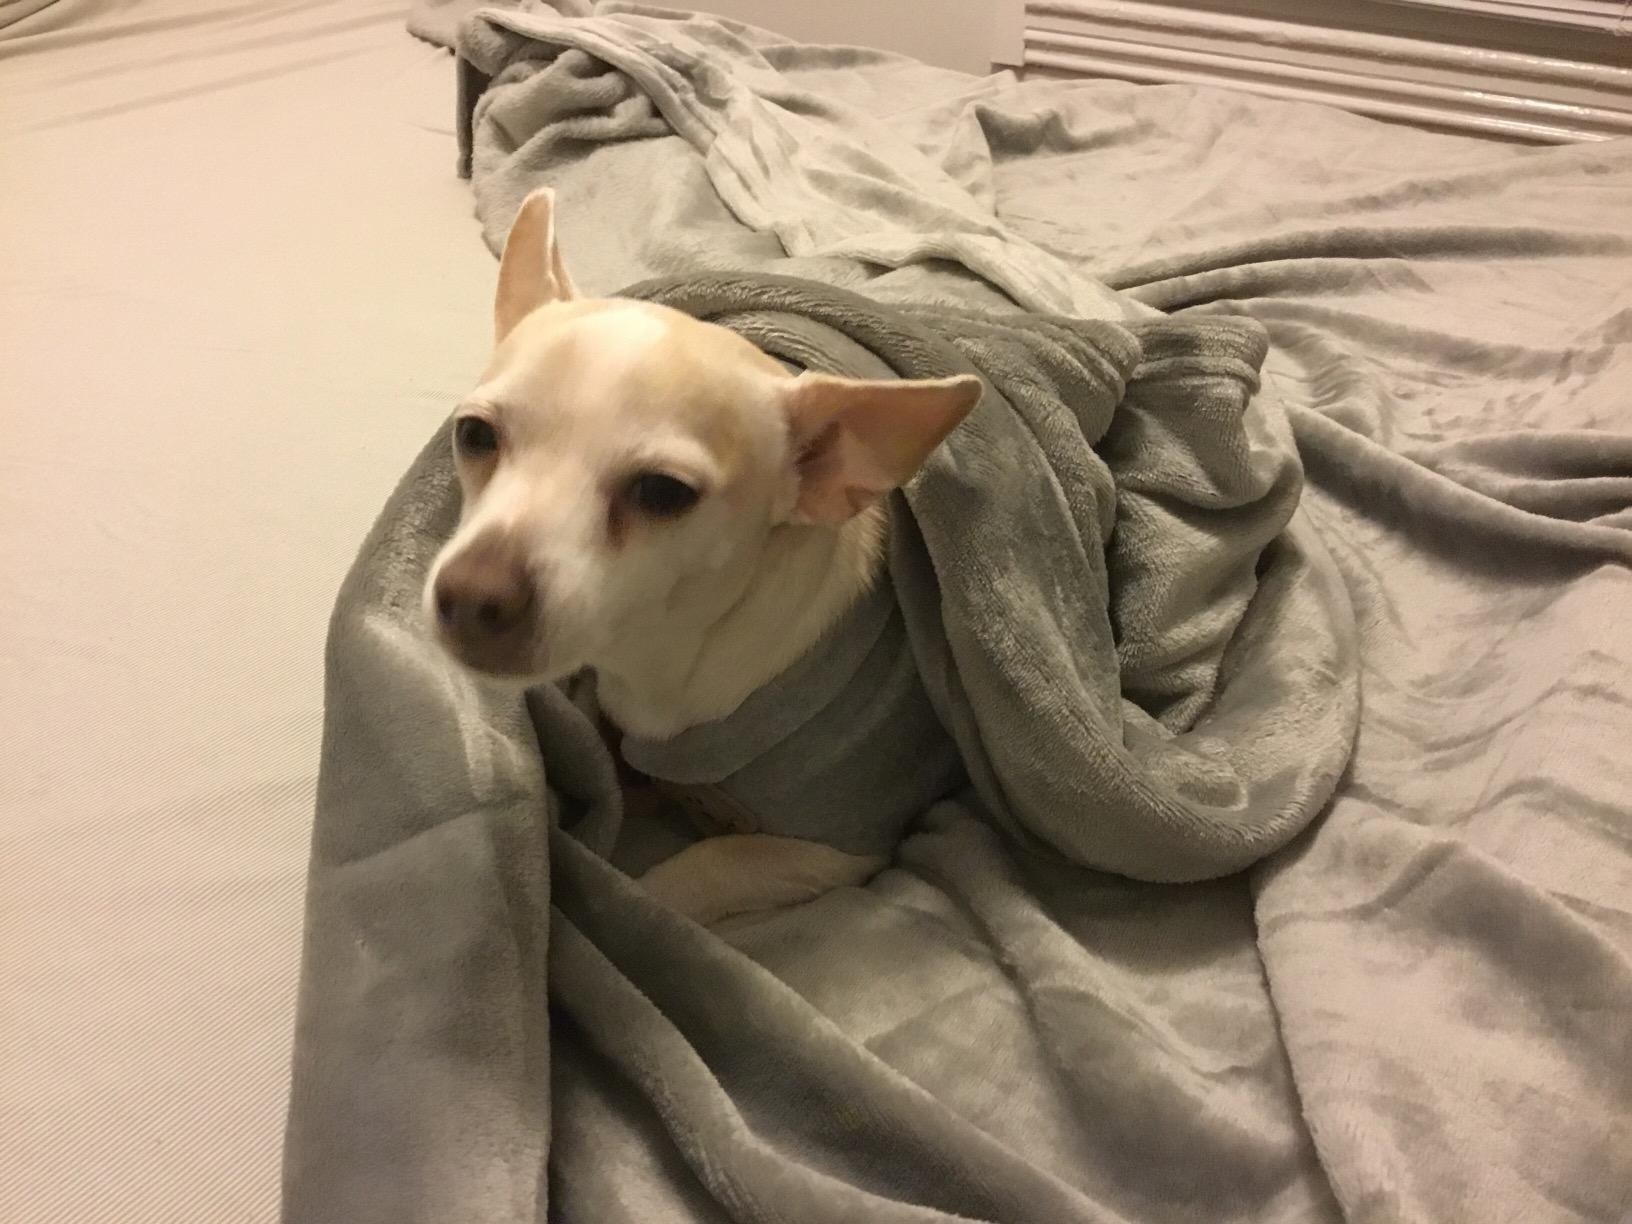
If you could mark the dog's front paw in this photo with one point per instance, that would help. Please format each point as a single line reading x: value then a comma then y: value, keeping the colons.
x: 744, y: 873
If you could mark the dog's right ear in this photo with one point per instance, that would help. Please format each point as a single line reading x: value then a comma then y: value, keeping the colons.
x: 531, y: 273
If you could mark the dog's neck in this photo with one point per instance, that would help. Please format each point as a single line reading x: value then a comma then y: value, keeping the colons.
x: 682, y: 675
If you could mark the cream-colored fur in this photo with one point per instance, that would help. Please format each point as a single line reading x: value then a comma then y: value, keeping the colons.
x: 653, y: 497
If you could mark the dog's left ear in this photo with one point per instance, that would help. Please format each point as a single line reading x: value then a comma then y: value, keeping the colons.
x: 531, y: 273
x: 856, y: 440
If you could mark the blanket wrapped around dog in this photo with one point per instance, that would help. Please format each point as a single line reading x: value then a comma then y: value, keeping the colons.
x: 1146, y: 662
x: 1070, y: 611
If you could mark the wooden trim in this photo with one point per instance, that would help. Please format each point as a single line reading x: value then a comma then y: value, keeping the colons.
x: 1480, y: 89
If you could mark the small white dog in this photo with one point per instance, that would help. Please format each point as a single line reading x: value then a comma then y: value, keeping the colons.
x: 652, y: 497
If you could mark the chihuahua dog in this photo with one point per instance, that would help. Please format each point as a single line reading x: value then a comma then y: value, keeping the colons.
x: 651, y: 497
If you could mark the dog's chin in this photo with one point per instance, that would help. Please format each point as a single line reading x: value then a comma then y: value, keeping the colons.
x: 520, y: 665
x: 502, y: 673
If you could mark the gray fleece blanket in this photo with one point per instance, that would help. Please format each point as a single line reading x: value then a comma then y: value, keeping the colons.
x: 1144, y: 667
x: 1419, y: 1009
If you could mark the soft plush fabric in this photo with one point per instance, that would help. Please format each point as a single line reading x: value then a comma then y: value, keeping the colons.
x: 1048, y: 590
x: 1414, y: 1011
x: 1000, y: 606
x: 844, y: 747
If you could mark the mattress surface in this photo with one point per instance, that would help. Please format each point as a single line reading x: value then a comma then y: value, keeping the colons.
x: 240, y: 284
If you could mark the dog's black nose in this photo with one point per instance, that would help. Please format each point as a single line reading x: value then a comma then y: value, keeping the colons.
x: 485, y: 593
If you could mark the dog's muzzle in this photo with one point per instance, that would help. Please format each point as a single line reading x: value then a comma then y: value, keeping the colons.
x: 486, y: 605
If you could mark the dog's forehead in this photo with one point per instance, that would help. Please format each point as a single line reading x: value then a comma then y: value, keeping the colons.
x: 645, y: 363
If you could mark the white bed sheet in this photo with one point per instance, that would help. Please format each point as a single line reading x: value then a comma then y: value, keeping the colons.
x: 239, y: 285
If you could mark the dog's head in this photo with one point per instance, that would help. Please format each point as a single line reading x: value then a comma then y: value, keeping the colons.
x: 624, y: 468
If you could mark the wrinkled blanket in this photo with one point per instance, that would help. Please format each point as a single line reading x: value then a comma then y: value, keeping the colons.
x: 1070, y: 612
x: 1418, y: 1010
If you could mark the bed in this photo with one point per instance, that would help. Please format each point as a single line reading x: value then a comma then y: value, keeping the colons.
x: 207, y: 286
x: 242, y: 286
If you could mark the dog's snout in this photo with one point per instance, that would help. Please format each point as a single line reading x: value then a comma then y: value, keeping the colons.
x: 484, y: 596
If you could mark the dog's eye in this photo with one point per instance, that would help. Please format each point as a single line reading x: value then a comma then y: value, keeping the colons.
x: 661, y: 496
x: 475, y: 437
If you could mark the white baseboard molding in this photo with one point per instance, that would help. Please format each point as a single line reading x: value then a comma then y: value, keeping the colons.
x: 1442, y: 84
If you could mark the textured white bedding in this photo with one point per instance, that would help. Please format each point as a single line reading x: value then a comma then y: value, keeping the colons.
x: 239, y: 284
